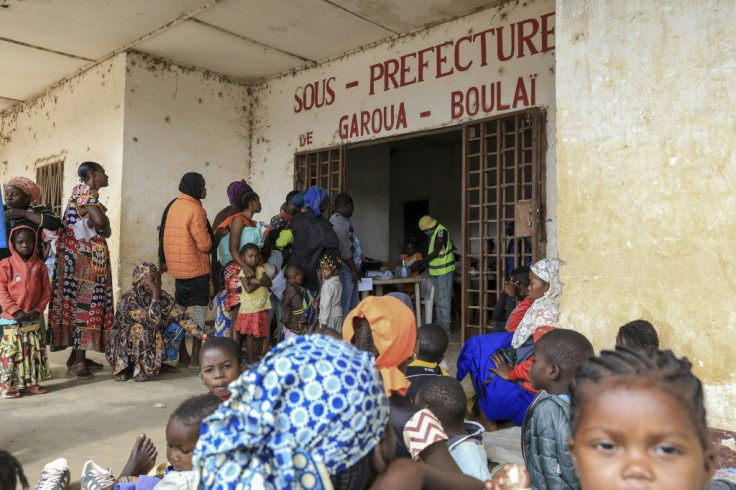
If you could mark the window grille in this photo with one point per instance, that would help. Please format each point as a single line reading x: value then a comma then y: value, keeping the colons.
x: 51, y: 179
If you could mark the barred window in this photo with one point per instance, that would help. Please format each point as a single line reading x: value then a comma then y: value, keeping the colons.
x: 51, y: 179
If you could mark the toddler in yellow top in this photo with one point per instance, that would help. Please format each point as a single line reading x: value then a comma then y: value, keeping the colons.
x: 255, y: 302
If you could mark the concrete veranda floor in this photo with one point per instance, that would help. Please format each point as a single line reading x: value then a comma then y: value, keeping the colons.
x: 100, y: 418
x: 94, y: 419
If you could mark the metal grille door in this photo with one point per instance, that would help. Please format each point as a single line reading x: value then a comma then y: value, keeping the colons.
x: 323, y: 168
x: 51, y: 179
x: 502, y: 168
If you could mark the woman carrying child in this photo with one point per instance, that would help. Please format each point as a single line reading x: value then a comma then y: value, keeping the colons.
x: 24, y: 294
x: 502, y: 383
x: 252, y: 320
x: 23, y: 207
x: 81, y: 314
x: 237, y: 230
x: 149, y: 326
x: 330, y: 309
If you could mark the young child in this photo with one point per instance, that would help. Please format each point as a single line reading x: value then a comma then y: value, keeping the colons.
x: 546, y: 429
x: 638, y: 421
x: 221, y: 361
x: 293, y: 315
x: 639, y: 334
x: 252, y: 320
x: 445, y: 397
x: 330, y: 309
x: 430, y: 348
x: 409, y: 254
x: 182, y: 434
x: 24, y: 294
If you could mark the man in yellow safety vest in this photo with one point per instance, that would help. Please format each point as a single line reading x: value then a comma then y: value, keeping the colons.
x: 441, y: 262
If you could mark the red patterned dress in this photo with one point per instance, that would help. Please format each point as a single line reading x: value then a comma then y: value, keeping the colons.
x: 81, y: 301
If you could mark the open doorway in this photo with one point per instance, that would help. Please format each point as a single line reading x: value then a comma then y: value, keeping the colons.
x: 483, y: 181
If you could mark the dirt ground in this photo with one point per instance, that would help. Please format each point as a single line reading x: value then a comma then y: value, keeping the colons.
x: 100, y: 418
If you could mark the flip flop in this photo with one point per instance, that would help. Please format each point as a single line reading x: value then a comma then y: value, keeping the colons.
x: 10, y: 394
x: 168, y: 368
x: 123, y: 376
x: 194, y: 369
x: 35, y: 390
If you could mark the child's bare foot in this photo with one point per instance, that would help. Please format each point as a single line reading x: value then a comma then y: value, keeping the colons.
x: 142, y: 457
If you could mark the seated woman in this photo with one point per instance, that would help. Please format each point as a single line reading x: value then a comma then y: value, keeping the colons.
x: 148, y: 328
x: 503, y: 391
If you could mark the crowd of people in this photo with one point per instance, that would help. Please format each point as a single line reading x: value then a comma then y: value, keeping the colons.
x: 308, y: 387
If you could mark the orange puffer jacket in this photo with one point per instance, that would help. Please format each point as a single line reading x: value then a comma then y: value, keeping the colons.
x: 187, y: 242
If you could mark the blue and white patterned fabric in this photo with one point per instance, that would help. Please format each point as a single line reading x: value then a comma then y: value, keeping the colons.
x: 313, y: 407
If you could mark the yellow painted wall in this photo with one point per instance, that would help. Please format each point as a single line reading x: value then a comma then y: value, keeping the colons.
x: 646, y: 172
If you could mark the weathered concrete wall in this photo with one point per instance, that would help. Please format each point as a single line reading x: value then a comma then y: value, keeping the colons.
x: 79, y: 120
x: 177, y: 120
x: 416, y: 83
x: 646, y: 168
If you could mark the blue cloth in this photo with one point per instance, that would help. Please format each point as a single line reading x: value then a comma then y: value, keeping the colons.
x: 314, y: 406
x: 298, y: 199
x: 314, y: 198
x: 142, y: 483
x: 500, y: 399
x: 222, y: 316
x: 249, y: 234
x: 173, y: 335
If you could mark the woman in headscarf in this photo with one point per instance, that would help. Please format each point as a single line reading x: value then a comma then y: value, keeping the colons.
x: 308, y: 416
x: 386, y: 327
x: 23, y: 207
x: 149, y: 326
x: 499, y: 363
x: 239, y: 230
x: 313, y: 236
x: 185, y: 243
x: 81, y: 312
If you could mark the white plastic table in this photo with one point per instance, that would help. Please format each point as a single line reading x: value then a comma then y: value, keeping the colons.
x: 378, y: 287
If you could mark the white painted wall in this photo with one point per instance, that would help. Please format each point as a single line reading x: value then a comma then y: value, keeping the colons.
x: 278, y: 127
x: 368, y: 175
x: 81, y: 119
x: 177, y: 120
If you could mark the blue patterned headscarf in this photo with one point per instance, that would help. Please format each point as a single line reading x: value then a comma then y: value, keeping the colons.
x: 312, y: 408
x: 314, y: 198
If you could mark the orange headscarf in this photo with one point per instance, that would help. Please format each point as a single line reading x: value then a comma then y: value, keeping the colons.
x: 394, y: 330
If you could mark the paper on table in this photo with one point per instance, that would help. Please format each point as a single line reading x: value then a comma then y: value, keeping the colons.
x: 365, y: 284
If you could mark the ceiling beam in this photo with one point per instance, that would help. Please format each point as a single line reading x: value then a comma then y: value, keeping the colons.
x: 41, y: 48
x: 360, y: 16
x: 182, y: 18
x: 236, y: 35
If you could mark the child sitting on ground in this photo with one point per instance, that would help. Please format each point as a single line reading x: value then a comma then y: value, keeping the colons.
x: 294, y: 311
x: 221, y: 361
x: 639, y: 334
x: 182, y: 434
x: 546, y: 429
x: 445, y: 397
x: 330, y: 309
x: 638, y: 421
x: 252, y: 320
x: 431, y: 345
x: 24, y: 294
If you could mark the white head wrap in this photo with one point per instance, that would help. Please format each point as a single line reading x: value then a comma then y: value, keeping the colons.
x: 544, y: 311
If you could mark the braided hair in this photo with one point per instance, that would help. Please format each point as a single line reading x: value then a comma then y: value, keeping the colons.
x: 639, y: 334
x: 11, y: 472
x: 642, y: 369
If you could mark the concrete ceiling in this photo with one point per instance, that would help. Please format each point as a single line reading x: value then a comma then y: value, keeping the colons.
x: 45, y: 41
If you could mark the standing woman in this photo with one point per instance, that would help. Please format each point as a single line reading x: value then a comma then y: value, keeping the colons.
x: 81, y: 301
x: 185, y: 242
x: 23, y: 207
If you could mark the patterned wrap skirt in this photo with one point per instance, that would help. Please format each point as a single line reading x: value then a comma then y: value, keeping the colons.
x: 23, y: 361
